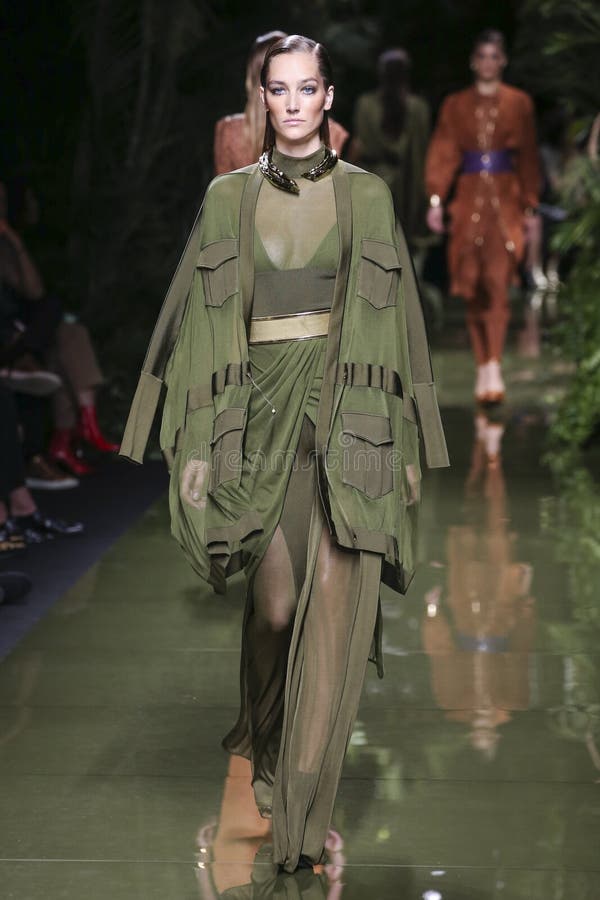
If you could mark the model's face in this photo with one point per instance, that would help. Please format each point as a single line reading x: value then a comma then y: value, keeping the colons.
x: 488, y: 62
x: 296, y: 98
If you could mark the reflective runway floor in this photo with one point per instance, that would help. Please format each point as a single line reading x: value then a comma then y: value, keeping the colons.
x: 474, y: 767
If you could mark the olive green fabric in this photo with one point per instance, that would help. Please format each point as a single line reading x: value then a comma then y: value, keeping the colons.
x: 295, y: 234
x: 308, y: 450
x: 267, y: 883
x: 296, y: 231
x: 200, y: 346
x: 303, y: 591
x: 309, y: 290
x: 398, y: 161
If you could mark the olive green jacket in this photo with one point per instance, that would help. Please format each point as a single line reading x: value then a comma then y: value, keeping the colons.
x: 377, y: 390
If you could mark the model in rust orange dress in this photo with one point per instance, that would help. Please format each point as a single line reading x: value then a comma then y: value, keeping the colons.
x: 484, y: 144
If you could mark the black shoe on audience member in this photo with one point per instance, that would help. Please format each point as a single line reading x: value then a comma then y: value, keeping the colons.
x: 37, y: 528
x: 13, y: 586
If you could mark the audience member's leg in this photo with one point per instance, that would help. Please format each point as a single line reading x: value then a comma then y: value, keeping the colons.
x: 79, y: 366
x: 12, y: 470
x: 41, y: 473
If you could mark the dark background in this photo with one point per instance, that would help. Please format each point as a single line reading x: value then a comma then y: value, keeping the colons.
x: 108, y: 108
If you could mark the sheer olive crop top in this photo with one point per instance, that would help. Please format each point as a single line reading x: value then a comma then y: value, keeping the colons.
x: 296, y: 248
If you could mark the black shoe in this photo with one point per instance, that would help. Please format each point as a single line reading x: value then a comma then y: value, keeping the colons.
x: 38, y: 528
x: 13, y: 586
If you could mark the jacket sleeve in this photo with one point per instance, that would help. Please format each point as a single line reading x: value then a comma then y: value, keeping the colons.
x: 444, y: 153
x: 147, y: 394
x: 428, y: 413
x: 528, y: 168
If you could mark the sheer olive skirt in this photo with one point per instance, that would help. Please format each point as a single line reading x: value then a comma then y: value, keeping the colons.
x: 309, y: 621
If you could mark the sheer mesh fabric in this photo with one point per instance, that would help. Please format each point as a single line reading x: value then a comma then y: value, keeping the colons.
x: 272, y: 601
x: 307, y: 640
x: 332, y: 636
x: 311, y: 607
x: 293, y: 228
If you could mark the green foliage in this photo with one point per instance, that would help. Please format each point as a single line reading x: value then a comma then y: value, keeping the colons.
x: 557, y: 50
x: 577, y: 337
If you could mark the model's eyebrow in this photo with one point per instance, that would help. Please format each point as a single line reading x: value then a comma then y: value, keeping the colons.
x: 284, y: 84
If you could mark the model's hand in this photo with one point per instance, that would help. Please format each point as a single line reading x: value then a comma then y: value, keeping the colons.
x: 435, y: 219
x: 194, y: 483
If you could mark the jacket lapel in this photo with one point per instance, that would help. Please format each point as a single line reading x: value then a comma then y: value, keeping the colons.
x: 246, y: 262
x: 343, y: 202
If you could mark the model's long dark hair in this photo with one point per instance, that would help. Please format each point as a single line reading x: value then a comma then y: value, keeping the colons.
x: 490, y: 36
x: 394, y: 70
x: 296, y: 43
x: 254, y: 112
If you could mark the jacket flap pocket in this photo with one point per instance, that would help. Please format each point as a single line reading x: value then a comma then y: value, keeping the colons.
x: 374, y: 429
x: 215, y: 254
x: 231, y: 419
x: 382, y: 254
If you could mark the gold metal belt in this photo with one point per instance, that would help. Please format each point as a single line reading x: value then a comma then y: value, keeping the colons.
x: 299, y: 327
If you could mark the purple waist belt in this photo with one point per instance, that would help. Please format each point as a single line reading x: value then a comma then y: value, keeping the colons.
x: 493, y: 161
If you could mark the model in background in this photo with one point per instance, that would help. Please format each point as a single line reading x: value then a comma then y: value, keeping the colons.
x: 391, y: 133
x: 485, y: 142
x: 239, y: 138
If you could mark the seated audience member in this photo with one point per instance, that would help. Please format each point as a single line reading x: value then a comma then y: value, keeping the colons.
x: 64, y: 346
x: 21, y: 522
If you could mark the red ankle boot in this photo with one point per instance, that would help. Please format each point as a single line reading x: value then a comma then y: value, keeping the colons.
x: 89, y: 430
x: 61, y: 450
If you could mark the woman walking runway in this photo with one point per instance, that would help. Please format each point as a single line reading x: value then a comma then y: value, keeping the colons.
x: 292, y: 346
x: 485, y: 142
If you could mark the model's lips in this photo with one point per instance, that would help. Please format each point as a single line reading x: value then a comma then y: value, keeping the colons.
x: 293, y: 121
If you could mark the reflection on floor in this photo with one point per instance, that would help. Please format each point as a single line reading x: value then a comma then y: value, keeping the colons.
x: 474, y: 768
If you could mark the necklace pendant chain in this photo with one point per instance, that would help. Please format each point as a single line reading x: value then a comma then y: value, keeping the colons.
x: 280, y: 180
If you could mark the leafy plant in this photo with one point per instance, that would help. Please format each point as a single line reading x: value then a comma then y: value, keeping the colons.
x: 557, y: 50
x: 578, y: 334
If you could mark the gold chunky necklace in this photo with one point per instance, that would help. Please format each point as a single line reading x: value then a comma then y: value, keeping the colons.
x: 280, y: 180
